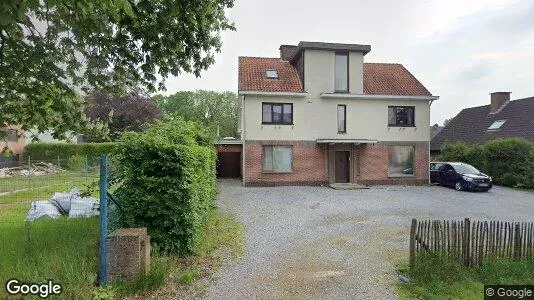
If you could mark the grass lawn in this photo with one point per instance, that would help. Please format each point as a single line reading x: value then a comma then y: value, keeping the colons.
x: 64, y: 250
x: 435, y: 278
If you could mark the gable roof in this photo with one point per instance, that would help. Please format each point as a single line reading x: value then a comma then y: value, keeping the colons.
x: 471, y: 124
x: 252, y: 75
x: 391, y: 79
x: 378, y: 78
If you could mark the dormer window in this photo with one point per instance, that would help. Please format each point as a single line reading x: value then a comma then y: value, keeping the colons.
x: 271, y: 74
x: 496, y: 125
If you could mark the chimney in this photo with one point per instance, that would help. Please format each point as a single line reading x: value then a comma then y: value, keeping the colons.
x: 287, y: 52
x: 498, y: 100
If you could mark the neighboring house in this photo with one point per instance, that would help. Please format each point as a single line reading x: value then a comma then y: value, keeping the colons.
x: 319, y: 114
x: 46, y: 137
x: 435, y: 129
x: 502, y: 118
x: 15, y: 145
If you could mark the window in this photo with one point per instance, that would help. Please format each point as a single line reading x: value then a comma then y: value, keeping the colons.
x: 496, y: 125
x: 271, y: 74
x: 277, y: 113
x: 341, y: 118
x: 12, y: 135
x: 277, y: 159
x: 341, y: 70
x: 401, y: 161
x: 401, y: 116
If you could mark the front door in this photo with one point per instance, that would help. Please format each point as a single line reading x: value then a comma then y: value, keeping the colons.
x: 342, y: 166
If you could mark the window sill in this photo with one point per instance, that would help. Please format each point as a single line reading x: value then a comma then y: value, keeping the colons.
x: 277, y: 124
x: 275, y: 172
x: 341, y: 132
x: 408, y: 126
x: 401, y: 176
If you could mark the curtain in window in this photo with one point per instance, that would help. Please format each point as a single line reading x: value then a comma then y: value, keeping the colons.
x: 401, y: 160
x: 282, y: 159
x: 266, y: 113
x: 277, y: 114
x: 392, y: 116
x: 341, y: 75
x: 288, y: 114
x: 409, y: 116
x: 268, y: 158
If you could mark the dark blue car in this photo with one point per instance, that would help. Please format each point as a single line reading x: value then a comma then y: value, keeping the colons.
x: 463, y: 177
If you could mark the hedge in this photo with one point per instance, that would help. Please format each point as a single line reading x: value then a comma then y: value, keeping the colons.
x: 167, y: 183
x: 509, y: 161
x: 64, y: 151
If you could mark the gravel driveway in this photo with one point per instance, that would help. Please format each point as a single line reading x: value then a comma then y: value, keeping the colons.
x: 320, y: 243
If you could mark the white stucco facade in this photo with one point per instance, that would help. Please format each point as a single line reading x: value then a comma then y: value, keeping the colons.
x: 317, y: 119
x: 315, y: 112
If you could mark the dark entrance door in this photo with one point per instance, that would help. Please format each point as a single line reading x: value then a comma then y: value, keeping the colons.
x: 342, y: 166
x: 228, y: 164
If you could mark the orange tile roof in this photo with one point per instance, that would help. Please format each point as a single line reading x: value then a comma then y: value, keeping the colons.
x: 378, y: 78
x: 252, y: 75
x: 391, y: 79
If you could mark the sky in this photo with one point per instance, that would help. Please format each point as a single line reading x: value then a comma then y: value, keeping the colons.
x: 461, y: 50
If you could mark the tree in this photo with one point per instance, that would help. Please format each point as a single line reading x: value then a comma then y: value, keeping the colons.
x: 447, y: 121
x: 218, y: 111
x: 131, y: 112
x: 51, y: 50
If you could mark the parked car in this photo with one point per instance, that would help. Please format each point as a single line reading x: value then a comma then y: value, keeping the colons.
x: 462, y: 176
x: 434, y: 166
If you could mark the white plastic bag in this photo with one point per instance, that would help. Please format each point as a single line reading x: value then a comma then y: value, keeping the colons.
x: 83, y: 207
x: 42, y: 209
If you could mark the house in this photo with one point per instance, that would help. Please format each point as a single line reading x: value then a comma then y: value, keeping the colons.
x: 501, y: 118
x: 435, y: 129
x: 14, y: 143
x: 318, y: 114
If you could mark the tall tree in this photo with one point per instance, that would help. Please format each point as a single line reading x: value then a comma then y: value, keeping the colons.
x: 50, y: 50
x: 216, y: 110
x: 131, y: 112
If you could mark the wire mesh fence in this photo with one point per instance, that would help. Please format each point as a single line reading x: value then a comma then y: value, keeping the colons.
x: 49, y: 224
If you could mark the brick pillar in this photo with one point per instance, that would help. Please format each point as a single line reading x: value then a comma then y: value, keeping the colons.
x: 128, y: 254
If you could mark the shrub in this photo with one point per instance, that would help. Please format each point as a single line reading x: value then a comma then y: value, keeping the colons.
x: 52, y: 151
x: 509, y: 161
x: 168, y: 182
x: 76, y: 163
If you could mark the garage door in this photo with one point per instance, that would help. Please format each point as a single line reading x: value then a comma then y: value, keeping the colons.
x: 228, y: 164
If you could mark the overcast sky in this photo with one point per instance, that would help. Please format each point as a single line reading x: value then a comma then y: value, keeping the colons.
x: 461, y: 50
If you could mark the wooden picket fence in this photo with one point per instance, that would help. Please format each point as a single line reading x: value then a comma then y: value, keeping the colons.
x: 472, y: 242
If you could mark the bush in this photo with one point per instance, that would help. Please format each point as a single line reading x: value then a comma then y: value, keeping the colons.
x: 76, y: 163
x: 168, y: 182
x: 509, y: 161
x: 51, y: 151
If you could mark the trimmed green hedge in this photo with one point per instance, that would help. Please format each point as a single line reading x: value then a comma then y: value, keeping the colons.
x: 51, y: 151
x: 509, y: 161
x: 167, y: 183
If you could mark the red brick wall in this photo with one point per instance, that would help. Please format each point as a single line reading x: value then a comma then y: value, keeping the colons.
x: 308, y: 164
x: 374, y: 161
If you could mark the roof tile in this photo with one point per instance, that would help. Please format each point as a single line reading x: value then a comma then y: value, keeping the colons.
x: 378, y: 78
x: 391, y: 79
x: 252, y: 75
